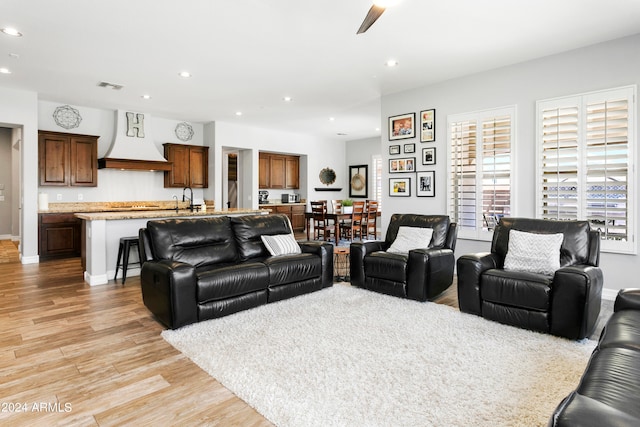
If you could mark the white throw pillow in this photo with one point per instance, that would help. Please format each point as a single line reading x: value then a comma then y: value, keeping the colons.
x: 409, y: 238
x: 533, y: 252
x: 281, y: 244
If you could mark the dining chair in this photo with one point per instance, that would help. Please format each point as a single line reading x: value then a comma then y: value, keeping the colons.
x: 370, y: 220
x: 354, y: 228
x: 321, y: 226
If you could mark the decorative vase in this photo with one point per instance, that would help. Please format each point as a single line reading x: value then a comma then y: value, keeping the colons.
x: 347, y: 209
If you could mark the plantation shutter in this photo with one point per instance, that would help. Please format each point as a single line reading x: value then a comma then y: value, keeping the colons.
x: 377, y: 180
x: 559, y: 163
x: 607, y: 167
x: 462, y: 206
x: 585, y: 163
x: 480, y: 165
x: 496, y: 168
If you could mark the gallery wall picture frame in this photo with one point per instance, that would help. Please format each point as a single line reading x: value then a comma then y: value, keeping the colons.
x: 403, y: 164
x: 409, y: 148
x: 400, y: 187
x: 426, y: 184
x: 394, y: 149
x: 429, y: 156
x: 402, y: 126
x: 358, y: 181
x: 428, y: 125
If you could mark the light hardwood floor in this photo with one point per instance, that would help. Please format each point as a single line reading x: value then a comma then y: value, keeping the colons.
x: 94, y: 356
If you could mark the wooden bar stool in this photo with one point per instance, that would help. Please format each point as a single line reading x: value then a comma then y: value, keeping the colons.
x: 126, y: 243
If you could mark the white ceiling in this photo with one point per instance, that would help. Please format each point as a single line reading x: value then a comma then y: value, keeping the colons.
x: 245, y: 55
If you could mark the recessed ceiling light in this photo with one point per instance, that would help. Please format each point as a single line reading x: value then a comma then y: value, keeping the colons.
x: 331, y: 119
x: 5, y: 71
x: 238, y: 113
x: 377, y: 129
x: 391, y: 63
x: 287, y: 99
x: 184, y: 74
x: 11, y: 32
x: 146, y: 96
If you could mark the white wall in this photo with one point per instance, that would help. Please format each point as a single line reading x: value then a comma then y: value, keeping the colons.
x: 602, y: 66
x: 113, y: 184
x: 315, y: 153
x: 19, y: 109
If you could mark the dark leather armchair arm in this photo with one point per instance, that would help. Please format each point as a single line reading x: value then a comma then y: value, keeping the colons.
x: 577, y: 292
x: 469, y: 268
x: 432, y: 266
x: 627, y: 299
x: 357, y: 253
x: 452, y: 236
x: 169, y: 291
x: 594, y: 248
x: 325, y: 251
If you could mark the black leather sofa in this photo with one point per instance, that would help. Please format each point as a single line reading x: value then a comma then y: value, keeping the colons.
x: 609, y: 390
x: 565, y: 303
x: 199, y: 269
x: 421, y: 274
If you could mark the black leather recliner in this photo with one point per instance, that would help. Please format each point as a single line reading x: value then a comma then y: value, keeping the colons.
x: 608, y: 393
x: 566, y: 304
x: 204, y: 268
x: 421, y: 275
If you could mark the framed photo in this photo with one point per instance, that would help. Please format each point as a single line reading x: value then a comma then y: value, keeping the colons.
x: 358, y: 181
x: 403, y: 126
x: 429, y: 156
x: 394, y: 149
x: 409, y: 148
x: 399, y: 187
x: 428, y: 125
x: 404, y: 164
x: 426, y: 184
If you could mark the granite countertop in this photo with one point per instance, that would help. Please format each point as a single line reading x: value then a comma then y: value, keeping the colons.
x: 163, y: 213
x: 130, y: 206
x: 283, y: 204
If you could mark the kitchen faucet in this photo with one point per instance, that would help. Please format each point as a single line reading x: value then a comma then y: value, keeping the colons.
x: 190, y: 198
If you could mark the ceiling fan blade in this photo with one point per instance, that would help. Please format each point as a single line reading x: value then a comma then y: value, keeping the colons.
x: 373, y: 14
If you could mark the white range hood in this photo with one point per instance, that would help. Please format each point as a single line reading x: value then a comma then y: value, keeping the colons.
x: 133, y: 147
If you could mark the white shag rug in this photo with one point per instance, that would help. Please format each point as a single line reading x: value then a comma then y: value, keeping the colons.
x: 345, y: 356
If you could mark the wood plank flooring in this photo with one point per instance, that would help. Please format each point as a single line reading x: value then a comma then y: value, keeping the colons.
x: 93, y: 356
x: 71, y: 354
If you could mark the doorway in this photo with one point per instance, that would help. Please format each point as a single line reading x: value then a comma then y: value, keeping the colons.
x: 232, y: 180
x: 10, y: 144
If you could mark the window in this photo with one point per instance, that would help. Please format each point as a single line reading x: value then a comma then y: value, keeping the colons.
x: 584, y: 167
x: 377, y: 180
x: 481, y: 161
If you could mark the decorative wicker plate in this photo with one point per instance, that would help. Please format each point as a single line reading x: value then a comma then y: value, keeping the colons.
x: 357, y: 182
x: 327, y: 176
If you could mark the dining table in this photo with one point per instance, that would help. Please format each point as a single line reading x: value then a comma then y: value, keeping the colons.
x: 336, y: 217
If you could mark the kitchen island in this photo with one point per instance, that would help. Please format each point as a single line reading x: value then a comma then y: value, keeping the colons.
x: 103, y: 230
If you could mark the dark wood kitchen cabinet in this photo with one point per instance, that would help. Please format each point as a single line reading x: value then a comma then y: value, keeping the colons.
x: 67, y: 159
x: 190, y: 166
x: 59, y: 236
x: 295, y: 214
x: 278, y: 171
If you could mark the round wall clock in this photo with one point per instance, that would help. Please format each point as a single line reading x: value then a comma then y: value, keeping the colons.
x: 184, y: 131
x: 67, y: 117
